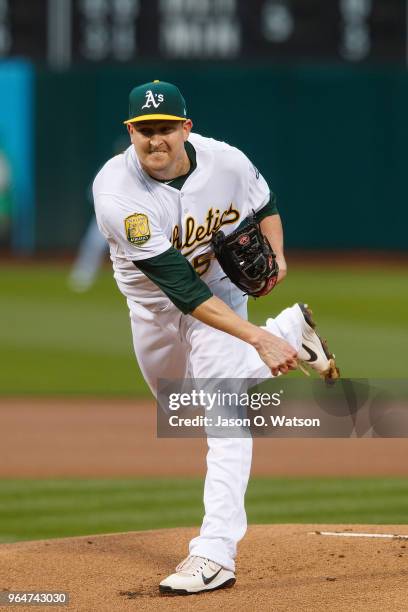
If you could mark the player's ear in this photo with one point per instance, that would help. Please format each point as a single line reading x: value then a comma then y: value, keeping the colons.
x: 187, y: 127
x: 131, y: 130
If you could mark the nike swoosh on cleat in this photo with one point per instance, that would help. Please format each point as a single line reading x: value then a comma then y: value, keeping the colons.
x: 312, y: 354
x: 209, y: 579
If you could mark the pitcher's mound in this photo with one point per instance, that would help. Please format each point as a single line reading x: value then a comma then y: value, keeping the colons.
x: 280, y: 567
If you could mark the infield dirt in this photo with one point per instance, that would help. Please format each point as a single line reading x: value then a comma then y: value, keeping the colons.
x: 89, y: 437
x: 281, y: 568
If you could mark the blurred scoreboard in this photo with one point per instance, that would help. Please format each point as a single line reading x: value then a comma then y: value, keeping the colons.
x: 61, y: 32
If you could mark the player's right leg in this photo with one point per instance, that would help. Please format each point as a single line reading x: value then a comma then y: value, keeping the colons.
x: 295, y: 325
x: 314, y: 351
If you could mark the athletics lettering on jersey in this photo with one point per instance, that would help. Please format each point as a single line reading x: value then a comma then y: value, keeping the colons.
x: 150, y: 100
x: 225, y: 176
x: 196, y: 234
x: 137, y: 229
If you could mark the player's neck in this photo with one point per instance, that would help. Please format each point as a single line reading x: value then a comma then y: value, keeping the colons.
x: 179, y: 168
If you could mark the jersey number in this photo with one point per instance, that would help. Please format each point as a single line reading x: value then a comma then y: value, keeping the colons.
x: 202, y: 262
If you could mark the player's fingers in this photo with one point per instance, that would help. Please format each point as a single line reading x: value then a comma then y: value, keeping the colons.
x: 292, y: 364
x: 284, y: 369
x: 275, y: 371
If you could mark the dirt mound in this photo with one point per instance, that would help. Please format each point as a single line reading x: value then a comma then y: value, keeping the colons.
x: 280, y: 568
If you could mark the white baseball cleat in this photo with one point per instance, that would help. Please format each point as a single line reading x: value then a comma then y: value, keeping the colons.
x: 314, y: 351
x: 196, y: 574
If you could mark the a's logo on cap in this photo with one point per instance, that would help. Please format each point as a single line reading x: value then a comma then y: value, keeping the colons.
x: 151, y: 99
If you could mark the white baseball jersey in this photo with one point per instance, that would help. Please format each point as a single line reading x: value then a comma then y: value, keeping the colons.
x: 141, y: 217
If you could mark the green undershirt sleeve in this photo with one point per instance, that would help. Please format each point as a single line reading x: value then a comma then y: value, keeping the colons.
x: 269, y: 209
x: 266, y: 211
x: 176, y: 277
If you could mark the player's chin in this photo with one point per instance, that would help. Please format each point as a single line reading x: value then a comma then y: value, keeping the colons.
x: 157, y: 161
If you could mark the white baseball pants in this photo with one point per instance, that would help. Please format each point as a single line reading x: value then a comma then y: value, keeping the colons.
x: 169, y: 345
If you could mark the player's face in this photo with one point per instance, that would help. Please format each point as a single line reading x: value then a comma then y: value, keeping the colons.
x: 160, y: 146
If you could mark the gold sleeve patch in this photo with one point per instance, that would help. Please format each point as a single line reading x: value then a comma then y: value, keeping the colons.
x: 137, y: 229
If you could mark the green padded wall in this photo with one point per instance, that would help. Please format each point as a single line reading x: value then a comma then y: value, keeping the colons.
x: 331, y: 141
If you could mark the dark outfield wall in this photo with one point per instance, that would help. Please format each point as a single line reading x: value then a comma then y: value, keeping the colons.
x: 331, y: 141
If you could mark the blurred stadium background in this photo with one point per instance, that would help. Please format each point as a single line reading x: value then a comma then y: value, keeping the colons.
x: 314, y: 91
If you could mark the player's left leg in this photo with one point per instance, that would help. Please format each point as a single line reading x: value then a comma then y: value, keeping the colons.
x: 159, y: 350
x: 215, y: 355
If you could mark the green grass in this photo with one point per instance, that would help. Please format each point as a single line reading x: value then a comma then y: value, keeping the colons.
x: 53, y: 341
x: 35, y: 509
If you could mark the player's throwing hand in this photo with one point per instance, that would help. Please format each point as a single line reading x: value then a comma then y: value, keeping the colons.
x: 278, y: 355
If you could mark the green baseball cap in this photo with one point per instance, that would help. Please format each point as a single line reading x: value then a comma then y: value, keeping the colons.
x: 155, y: 101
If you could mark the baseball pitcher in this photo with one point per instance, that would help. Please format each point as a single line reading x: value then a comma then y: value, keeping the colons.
x: 193, y: 229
